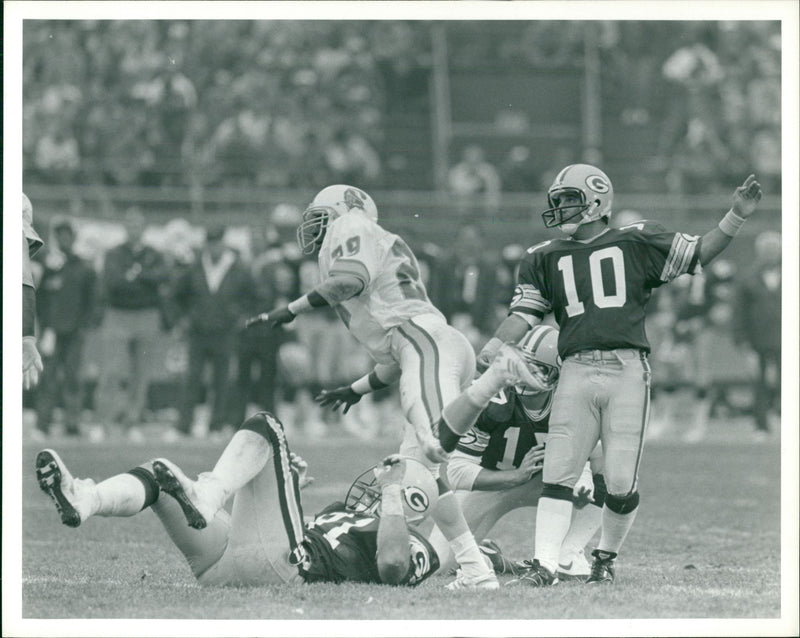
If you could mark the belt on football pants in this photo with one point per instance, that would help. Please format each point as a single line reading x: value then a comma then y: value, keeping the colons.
x: 618, y: 355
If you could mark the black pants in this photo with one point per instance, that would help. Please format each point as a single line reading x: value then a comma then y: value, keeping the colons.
x: 768, y: 387
x: 212, y: 348
x: 257, y: 373
x: 61, y: 383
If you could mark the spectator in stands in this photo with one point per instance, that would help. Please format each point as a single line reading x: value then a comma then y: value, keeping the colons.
x: 66, y: 308
x: 518, y: 170
x: 475, y: 182
x: 215, y: 295
x: 133, y: 285
x: 467, y: 283
x: 758, y: 325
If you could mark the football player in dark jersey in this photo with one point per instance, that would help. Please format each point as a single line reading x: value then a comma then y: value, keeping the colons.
x: 264, y: 540
x: 596, y: 281
x: 496, y: 467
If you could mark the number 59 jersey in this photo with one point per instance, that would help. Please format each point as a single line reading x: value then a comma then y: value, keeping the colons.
x: 598, y: 289
x: 393, y: 291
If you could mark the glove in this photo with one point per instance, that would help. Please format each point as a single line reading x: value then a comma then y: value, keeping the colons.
x: 391, y: 470
x: 299, y: 465
x: 274, y: 318
x: 746, y: 197
x: 487, y: 354
x: 583, y: 492
x: 31, y: 363
x: 340, y: 396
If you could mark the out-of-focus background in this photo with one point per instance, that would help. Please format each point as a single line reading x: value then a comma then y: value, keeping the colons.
x: 151, y: 146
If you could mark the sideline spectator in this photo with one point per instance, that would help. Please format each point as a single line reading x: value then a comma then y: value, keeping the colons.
x: 474, y: 179
x: 31, y: 243
x: 66, y: 310
x: 758, y: 324
x: 215, y: 294
x: 133, y: 285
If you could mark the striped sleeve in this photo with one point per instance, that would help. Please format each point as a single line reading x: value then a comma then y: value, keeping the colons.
x: 352, y: 267
x: 528, y: 300
x: 683, y: 257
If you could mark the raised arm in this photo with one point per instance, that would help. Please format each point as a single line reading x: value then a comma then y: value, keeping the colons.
x: 745, y: 202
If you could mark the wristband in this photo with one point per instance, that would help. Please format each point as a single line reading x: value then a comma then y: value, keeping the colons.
x: 391, y: 503
x: 302, y: 304
x: 731, y: 223
x: 362, y: 385
x: 30, y: 338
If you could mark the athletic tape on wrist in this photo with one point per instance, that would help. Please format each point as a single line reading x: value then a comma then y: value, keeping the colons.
x: 731, y: 223
x: 362, y: 385
x: 299, y: 305
x: 391, y: 501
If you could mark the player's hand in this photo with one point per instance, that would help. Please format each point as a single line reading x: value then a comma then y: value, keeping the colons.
x: 299, y: 465
x: 431, y: 447
x: 487, y: 354
x: 583, y: 492
x: 273, y: 318
x: 532, y: 463
x: 340, y: 396
x: 746, y: 197
x: 390, y: 471
x: 31, y: 363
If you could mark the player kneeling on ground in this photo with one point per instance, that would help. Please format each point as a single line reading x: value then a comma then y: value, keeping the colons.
x: 264, y: 539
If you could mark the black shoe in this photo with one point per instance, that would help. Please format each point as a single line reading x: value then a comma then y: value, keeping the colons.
x: 535, y: 575
x: 54, y: 480
x: 500, y: 563
x: 169, y: 480
x: 602, y: 568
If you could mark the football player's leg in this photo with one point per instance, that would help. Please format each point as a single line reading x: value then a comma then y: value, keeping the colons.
x: 573, y: 432
x: 78, y: 499
x: 585, y: 523
x: 623, y: 432
x: 267, y: 518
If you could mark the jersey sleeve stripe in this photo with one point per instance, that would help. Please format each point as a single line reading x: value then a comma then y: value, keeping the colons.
x: 680, y: 257
x: 529, y: 299
x: 350, y: 267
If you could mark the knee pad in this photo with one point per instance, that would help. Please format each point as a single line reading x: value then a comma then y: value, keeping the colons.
x: 600, y: 491
x: 151, y: 489
x: 622, y: 504
x: 557, y: 492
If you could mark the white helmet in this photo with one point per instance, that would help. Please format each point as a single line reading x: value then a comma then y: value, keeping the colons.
x: 540, y: 348
x: 329, y: 204
x: 591, y: 186
x: 419, y: 491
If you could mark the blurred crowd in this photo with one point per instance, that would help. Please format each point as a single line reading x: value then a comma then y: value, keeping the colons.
x: 291, y: 103
x: 142, y: 331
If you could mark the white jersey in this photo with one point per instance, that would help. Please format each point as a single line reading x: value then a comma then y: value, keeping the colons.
x: 393, y: 291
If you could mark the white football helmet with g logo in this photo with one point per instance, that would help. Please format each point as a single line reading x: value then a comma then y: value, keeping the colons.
x: 329, y: 204
x: 590, y: 186
x: 419, y: 492
x: 540, y: 348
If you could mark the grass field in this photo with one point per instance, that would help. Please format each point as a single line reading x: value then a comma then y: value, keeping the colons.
x: 706, y: 545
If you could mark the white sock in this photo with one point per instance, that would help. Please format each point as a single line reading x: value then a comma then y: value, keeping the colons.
x: 453, y: 525
x: 585, y: 522
x: 615, y: 529
x: 553, y: 517
x: 242, y: 459
x: 120, y: 495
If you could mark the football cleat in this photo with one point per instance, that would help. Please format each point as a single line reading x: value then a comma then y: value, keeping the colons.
x: 576, y: 569
x: 534, y: 575
x: 71, y: 496
x: 174, y: 482
x: 500, y: 564
x: 602, y: 568
x: 462, y: 582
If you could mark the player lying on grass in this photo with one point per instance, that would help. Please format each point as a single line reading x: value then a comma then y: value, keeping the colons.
x: 496, y: 466
x: 264, y: 539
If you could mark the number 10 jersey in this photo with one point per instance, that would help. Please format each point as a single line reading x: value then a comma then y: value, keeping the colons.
x: 393, y: 291
x: 598, y: 289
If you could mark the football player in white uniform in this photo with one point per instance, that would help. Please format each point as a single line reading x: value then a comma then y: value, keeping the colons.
x: 372, y: 279
x: 264, y: 539
x: 31, y: 243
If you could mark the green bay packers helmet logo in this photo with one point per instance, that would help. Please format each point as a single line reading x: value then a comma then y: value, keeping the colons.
x: 416, y: 499
x: 354, y: 199
x: 598, y: 183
